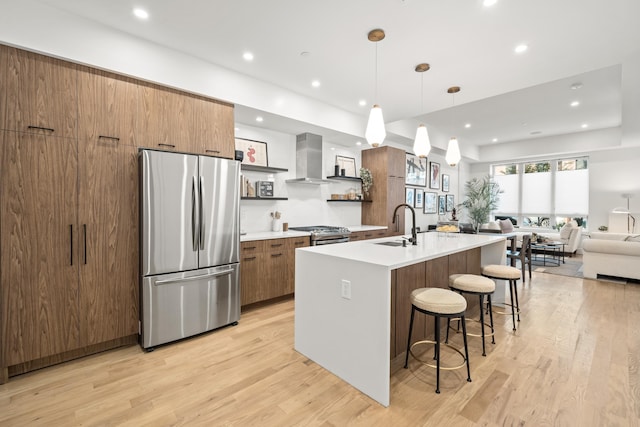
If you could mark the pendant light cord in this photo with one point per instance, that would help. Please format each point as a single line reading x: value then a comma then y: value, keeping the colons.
x: 375, y: 86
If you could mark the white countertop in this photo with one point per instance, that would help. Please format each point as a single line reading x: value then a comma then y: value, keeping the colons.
x: 430, y: 246
x: 266, y: 235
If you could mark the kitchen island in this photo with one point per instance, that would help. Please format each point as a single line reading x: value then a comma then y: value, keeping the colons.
x: 352, y: 299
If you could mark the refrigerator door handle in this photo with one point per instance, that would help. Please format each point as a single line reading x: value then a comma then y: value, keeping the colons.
x: 202, y: 276
x: 201, y: 189
x: 194, y: 218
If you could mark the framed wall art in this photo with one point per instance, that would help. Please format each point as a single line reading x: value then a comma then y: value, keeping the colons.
x: 430, y: 203
x: 409, y: 196
x: 348, y: 164
x: 254, y: 152
x: 434, y: 175
x: 450, y: 204
x: 445, y: 183
x: 416, y: 170
x: 442, y: 205
x: 419, y: 201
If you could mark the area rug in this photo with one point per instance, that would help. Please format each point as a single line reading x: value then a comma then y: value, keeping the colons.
x: 569, y: 268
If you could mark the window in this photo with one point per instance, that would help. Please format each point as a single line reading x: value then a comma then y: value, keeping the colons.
x: 546, y: 193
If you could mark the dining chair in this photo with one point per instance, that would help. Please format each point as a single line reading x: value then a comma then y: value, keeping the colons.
x: 523, y: 254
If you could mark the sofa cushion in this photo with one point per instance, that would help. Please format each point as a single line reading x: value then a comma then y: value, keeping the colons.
x: 505, y: 225
x: 611, y: 247
x: 491, y: 225
x: 565, y: 231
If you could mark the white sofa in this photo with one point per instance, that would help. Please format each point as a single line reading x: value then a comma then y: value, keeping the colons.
x: 611, y: 254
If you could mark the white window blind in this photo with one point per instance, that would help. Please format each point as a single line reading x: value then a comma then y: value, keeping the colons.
x: 508, y: 203
x: 536, y: 193
x: 572, y: 192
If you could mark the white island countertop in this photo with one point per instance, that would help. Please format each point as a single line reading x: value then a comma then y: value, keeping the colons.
x: 430, y: 246
x: 343, y: 299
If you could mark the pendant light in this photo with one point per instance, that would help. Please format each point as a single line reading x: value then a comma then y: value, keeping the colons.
x: 453, y: 150
x: 375, y: 133
x: 422, y: 145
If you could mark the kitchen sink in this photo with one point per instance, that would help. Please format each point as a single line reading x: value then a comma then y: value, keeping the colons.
x: 389, y: 243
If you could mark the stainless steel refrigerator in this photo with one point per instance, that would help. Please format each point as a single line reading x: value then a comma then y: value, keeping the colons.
x: 190, y: 240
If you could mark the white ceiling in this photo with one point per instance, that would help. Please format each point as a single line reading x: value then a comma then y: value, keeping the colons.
x: 504, y: 95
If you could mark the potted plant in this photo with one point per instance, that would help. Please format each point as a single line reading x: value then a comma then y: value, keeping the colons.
x: 482, y: 197
x: 367, y: 181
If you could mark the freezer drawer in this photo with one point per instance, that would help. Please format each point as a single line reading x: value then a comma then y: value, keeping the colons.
x: 180, y: 305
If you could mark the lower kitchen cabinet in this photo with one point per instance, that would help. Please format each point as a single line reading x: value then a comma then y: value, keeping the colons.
x: 267, y: 268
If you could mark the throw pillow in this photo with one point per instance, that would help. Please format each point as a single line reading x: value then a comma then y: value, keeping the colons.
x: 565, y: 231
x: 505, y: 225
x: 491, y: 225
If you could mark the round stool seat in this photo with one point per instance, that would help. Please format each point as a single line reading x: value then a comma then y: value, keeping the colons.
x: 471, y: 283
x: 501, y: 272
x: 439, y: 301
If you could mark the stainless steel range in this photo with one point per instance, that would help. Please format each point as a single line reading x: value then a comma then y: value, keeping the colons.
x: 325, y: 235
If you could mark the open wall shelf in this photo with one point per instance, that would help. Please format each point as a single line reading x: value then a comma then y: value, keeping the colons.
x: 266, y: 169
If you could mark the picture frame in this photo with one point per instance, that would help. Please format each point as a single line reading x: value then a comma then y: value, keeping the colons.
x: 445, y: 183
x: 409, y: 196
x: 416, y: 170
x: 419, y: 198
x: 442, y: 205
x: 348, y: 164
x: 450, y: 204
x: 254, y: 152
x: 430, y: 201
x: 434, y: 175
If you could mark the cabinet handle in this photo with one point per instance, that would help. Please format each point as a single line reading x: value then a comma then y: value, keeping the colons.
x: 212, y: 151
x: 40, y: 128
x: 84, y: 228
x: 249, y: 259
x: 299, y: 243
x: 276, y: 245
x: 275, y: 255
x: 167, y: 145
x: 71, y: 242
x: 113, y: 138
x: 249, y: 247
x: 368, y: 235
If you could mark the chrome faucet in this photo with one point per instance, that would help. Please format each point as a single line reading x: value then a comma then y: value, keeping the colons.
x: 414, y: 233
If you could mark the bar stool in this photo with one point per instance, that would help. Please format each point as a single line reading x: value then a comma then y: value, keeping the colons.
x: 438, y: 303
x: 512, y: 274
x: 475, y: 285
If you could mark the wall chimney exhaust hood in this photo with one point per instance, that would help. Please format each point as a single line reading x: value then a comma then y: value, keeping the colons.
x: 308, y: 160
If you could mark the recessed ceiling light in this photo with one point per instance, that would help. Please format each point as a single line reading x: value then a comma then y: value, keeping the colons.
x: 236, y: 129
x: 248, y: 56
x: 584, y: 126
x: 362, y: 102
x: 333, y: 148
x: 315, y: 83
x: 259, y: 119
x: 358, y: 143
x: 468, y: 125
x: 494, y: 140
x: 487, y: 3
x: 575, y: 103
x: 576, y: 86
x: 141, y: 13
x: 521, y: 48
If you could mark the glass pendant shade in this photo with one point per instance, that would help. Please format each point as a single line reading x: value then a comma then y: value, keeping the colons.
x: 375, y: 132
x: 422, y: 146
x: 453, y: 152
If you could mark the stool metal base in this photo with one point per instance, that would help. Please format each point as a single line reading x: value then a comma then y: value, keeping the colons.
x: 444, y: 368
x: 469, y: 334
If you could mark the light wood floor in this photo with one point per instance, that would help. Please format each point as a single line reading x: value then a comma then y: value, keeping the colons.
x: 574, y: 361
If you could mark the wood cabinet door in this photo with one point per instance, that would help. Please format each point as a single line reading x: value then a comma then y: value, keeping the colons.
x: 396, y: 162
x: 41, y: 94
x: 252, y: 277
x: 39, y: 273
x: 292, y: 244
x: 4, y: 70
x: 109, y: 241
x: 107, y: 107
x: 276, y: 268
x: 395, y: 197
x: 214, y: 128
x: 407, y: 279
x: 165, y: 120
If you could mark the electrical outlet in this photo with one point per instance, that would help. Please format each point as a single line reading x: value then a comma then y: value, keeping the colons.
x: 346, y: 289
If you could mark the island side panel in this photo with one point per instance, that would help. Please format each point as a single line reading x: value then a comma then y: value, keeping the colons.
x: 348, y: 337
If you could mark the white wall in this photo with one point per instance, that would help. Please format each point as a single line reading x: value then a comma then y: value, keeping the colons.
x: 307, y: 204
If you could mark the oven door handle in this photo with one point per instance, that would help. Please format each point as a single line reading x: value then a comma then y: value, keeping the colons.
x: 330, y: 241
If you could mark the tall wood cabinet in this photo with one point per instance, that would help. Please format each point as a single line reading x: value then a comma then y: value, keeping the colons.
x: 387, y: 167
x: 69, y: 135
